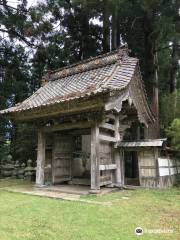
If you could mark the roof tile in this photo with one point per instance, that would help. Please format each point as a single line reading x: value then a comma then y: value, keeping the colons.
x: 112, y: 70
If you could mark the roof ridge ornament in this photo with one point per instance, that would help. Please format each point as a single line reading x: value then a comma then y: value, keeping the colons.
x: 45, y: 78
x: 123, y: 53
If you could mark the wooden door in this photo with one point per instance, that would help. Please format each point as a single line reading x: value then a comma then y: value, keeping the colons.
x: 62, y: 158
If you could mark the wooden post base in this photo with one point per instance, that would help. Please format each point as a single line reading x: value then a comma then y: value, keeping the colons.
x: 39, y: 185
x: 94, y: 191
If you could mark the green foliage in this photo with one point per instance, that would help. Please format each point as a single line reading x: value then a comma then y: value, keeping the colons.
x: 174, y: 133
x: 169, y: 107
x: 55, y: 33
x: 23, y: 142
x: 14, y: 87
x: 4, y: 150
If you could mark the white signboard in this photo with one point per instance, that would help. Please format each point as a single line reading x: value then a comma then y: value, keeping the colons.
x: 163, y: 172
x: 167, y: 167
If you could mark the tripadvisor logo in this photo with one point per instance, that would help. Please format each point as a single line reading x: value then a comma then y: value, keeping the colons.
x: 139, y: 231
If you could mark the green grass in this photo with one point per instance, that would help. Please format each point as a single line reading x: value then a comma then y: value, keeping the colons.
x: 29, y: 217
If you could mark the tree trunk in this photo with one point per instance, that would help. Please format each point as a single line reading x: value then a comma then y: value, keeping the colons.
x: 85, y: 37
x: 114, y: 28
x: 118, y: 29
x: 151, y: 70
x: 174, y: 67
x: 105, y: 42
x: 149, y: 73
x: 155, y: 102
x: 173, y: 79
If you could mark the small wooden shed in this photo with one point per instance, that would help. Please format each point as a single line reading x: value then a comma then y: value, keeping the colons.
x: 83, y: 112
x: 141, y: 161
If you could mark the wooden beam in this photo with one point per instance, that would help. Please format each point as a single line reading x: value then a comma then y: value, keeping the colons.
x: 149, y: 167
x: 84, y: 131
x: 106, y: 138
x: 107, y: 167
x: 95, y: 173
x: 67, y: 126
x: 107, y: 126
x: 60, y: 109
x: 40, y: 158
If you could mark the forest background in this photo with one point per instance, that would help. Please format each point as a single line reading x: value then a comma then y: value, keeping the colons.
x: 50, y: 34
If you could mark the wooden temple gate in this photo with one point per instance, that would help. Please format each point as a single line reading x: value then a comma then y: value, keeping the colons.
x: 95, y: 100
x: 105, y: 165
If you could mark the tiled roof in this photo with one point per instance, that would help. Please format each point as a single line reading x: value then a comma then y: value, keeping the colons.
x: 105, y: 72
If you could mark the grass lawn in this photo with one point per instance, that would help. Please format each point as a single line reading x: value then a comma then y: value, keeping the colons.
x: 31, y: 217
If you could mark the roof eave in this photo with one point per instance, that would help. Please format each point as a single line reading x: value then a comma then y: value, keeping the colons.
x: 91, y: 103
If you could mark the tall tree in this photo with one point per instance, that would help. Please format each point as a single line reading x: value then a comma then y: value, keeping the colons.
x: 59, y: 33
x: 115, y: 23
x: 175, y: 56
x: 106, y: 26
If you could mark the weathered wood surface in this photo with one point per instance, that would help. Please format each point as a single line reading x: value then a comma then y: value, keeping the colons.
x: 48, y: 166
x: 117, y: 156
x: 153, y: 171
x: 81, y: 164
x: 62, y: 158
x: 107, y: 126
x: 40, y: 158
x: 95, y: 173
x: 148, y: 167
x: 167, y: 181
x: 67, y: 126
x: 107, y: 138
x: 71, y: 107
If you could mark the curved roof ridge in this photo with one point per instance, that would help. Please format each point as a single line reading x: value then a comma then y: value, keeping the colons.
x: 106, y: 73
x: 88, y: 64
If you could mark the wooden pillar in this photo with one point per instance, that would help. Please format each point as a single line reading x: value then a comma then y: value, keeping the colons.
x: 95, y: 173
x: 122, y: 165
x: 118, y: 168
x: 117, y: 155
x: 40, y: 158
